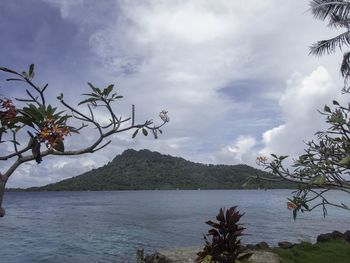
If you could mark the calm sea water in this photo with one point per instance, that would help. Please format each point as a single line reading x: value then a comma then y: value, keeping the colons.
x: 109, y: 226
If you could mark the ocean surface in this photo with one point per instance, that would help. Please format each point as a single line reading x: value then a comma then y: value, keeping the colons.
x: 110, y: 226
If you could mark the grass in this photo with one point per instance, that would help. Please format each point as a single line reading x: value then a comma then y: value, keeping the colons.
x: 335, y: 251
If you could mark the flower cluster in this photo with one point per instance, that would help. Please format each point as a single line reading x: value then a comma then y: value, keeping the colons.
x: 7, y: 110
x: 261, y: 160
x: 291, y: 205
x: 52, y: 134
x: 164, y: 116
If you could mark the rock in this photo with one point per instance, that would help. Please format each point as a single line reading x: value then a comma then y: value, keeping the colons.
x: 250, y: 246
x: 157, y: 258
x: 285, y: 244
x: 337, y: 235
x: 262, y: 245
x: 324, y: 237
x: 347, y: 235
x: 334, y: 235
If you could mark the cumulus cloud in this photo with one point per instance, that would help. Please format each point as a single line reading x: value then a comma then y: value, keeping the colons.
x: 241, y: 151
x: 300, y: 120
x: 191, y: 57
x: 52, y: 170
x: 299, y: 104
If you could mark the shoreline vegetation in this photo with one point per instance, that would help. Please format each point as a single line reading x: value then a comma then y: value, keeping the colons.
x: 147, y: 170
x: 330, y: 247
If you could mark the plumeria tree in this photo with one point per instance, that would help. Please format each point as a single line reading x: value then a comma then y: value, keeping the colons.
x: 31, y: 129
x: 325, y: 165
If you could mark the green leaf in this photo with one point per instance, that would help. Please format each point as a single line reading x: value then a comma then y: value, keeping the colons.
x: 60, y: 97
x: 91, y: 95
x: 59, y: 147
x: 283, y: 157
x: 57, y: 115
x: 345, y: 161
x: 144, y: 131
x: 49, y: 110
x: 327, y: 109
x: 31, y: 71
x: 63, y: 119
x: 73, y: 129
x: 36, y: 151
x: 319, y: 180
x: 43, y: 112
x: 274, y: 156
x: 24, y: 120
x: 305, y: 206
x: 135, y: 133
x: 335, y: 102
x: 108, y: 90
x: 97, y: 90
x: 37, y: 114
x: 25, y: 75
x: 295, y: 214
x: 87, y: 101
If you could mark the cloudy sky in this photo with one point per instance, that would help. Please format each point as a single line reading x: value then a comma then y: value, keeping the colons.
x: 236, y: 78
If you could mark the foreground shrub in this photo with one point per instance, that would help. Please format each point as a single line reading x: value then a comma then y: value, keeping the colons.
x: 224, y: 246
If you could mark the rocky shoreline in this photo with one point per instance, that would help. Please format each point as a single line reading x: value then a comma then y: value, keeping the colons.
x: 260, y: 252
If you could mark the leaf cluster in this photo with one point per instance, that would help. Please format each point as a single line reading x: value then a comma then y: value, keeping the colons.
x: 46, y: 122
x: 224, y: 245
x: 46, y: 125
x: 325, y: 165
x: 337, y: 13
x: 100, y: 95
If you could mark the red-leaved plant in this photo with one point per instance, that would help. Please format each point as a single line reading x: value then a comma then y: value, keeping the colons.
x: 225, y: 245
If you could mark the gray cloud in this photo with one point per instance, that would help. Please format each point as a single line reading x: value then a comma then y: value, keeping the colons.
x: 219, y: 67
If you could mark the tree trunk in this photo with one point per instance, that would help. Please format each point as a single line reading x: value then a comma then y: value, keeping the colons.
x: 2, y: 191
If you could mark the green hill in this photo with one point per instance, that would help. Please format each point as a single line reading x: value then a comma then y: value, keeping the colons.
x: 136, y: 170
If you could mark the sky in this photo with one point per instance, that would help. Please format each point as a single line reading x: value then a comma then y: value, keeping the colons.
x: 237, y: 79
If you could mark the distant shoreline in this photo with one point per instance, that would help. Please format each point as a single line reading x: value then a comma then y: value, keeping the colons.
x: 124, y: 190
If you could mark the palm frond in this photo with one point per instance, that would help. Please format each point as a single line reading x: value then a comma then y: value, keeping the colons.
x: 337, y: 22
x: 328, y: 46
x: 345, y: 71
x: 322, y: 9
x: 345, y: 65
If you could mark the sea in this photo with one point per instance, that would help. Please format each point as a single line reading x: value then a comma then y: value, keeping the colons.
x: 109, y: 226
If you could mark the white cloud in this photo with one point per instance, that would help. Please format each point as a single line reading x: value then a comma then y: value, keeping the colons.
x: 301, y: 120
x: 299, y: 104
x: 53, y: 169
x: 186, y: 57
x: 241, y: 151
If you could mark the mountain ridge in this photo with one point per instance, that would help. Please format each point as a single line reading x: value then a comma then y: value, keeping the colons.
x: 148, y: 170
